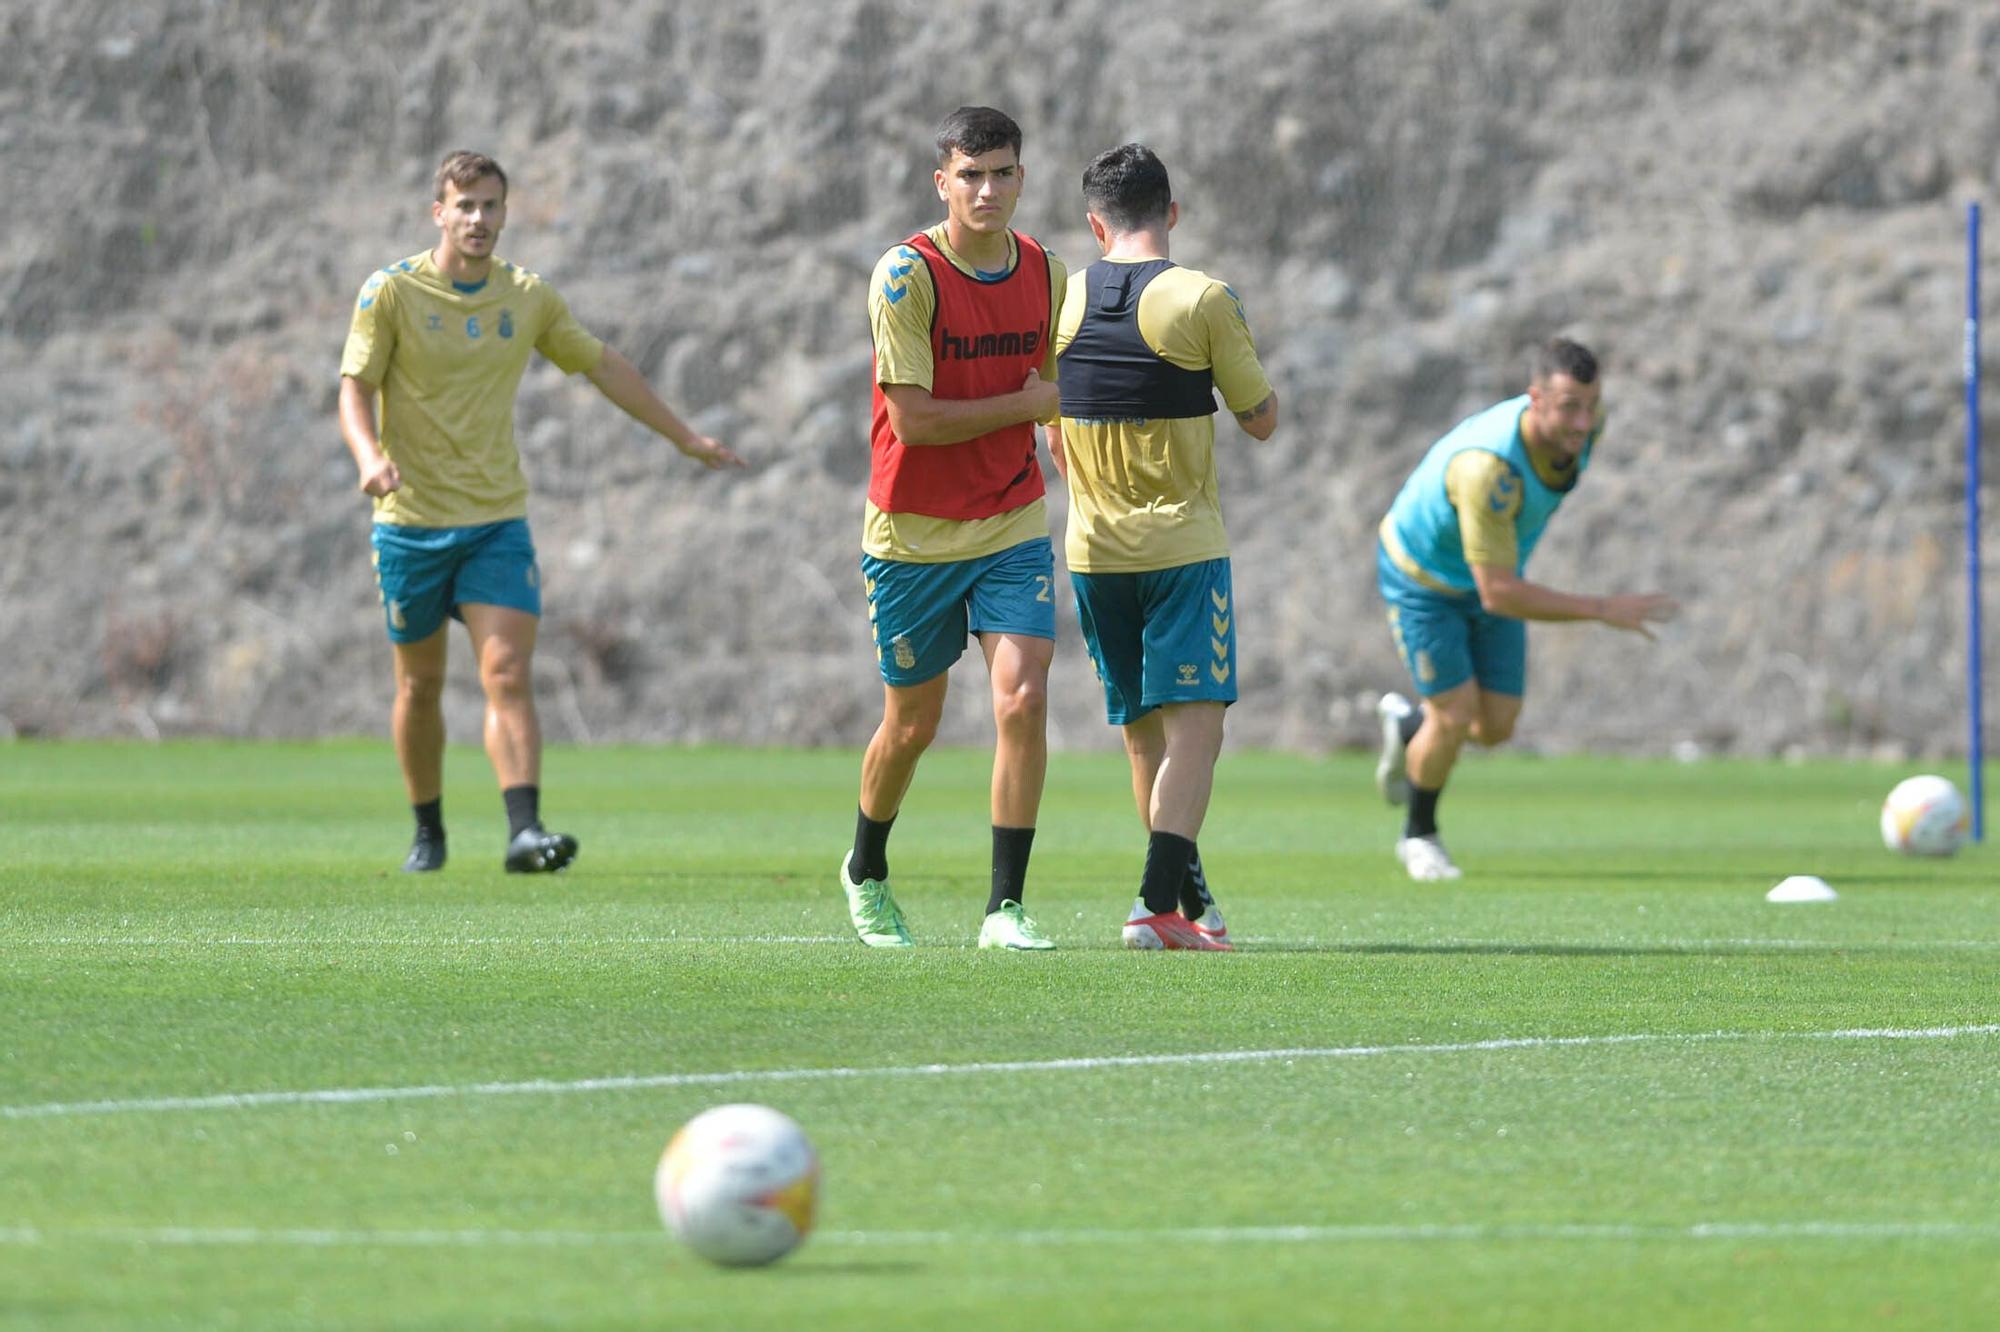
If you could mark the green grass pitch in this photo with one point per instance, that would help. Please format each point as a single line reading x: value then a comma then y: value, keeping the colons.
x: 1599, y: 1083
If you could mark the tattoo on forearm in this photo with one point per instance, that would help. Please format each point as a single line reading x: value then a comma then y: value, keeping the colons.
x: 1256, y: 411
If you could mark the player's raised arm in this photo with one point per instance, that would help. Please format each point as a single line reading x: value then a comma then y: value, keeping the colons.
x: 619, y: 380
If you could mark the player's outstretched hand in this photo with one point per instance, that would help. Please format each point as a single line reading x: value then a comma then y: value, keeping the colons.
x: 1637, y: 611
x: 711, y: 453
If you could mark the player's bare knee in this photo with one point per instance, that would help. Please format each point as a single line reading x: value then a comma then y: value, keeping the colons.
x: 913, y: 738
x: 1451, y: 725
x: 506, y: 675
x: 1192, y: 757
x: 420, y: 689
x: 1488, y: 733
x: 910, y: 735
x: 1145, y: 753
x: 1025, y: 707
x: 1194, y: 734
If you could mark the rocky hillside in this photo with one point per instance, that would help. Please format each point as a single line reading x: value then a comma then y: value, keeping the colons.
x: 1754, y: 213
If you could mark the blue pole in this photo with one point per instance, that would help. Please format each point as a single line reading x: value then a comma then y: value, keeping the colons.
x: 1973, y: 653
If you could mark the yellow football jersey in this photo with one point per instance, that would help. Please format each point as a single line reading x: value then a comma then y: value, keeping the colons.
x: 1142, y: 493
x: 900, y: 302
x: 446, y: 359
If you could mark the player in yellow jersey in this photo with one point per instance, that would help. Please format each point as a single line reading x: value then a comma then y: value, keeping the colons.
x: 955, y: 538
x: 1144, y: 345
x: 440, y: 340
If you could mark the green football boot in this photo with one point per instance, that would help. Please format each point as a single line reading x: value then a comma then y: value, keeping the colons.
x: 1012, y: 927
x: 877, y: 918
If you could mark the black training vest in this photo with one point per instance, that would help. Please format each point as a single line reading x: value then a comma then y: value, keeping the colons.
x: 1107, y: 368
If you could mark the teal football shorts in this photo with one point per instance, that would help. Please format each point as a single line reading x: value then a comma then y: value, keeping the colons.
x: 1445, y: 640
x: 426, y: 573
x: 923, y: 613
x: 1165, y: 636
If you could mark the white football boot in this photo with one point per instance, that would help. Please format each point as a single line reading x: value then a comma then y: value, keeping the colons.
x: 1011, y: 927
x: 1392, y: 775
x: 1426, y: 859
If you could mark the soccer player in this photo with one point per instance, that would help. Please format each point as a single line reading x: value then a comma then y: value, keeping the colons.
x: 1453, y: 550
x: 955, y: 537
x: 442, y: 338
x: 1143, y: 345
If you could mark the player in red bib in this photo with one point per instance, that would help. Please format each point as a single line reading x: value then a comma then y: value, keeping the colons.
x: 955, y: 538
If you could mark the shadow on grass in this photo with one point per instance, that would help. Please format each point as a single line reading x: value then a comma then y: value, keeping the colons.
x: 1721, y: 948
x: 1751, y: 880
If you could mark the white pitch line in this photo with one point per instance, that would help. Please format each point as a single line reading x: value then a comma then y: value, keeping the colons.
x: 1445, y: 1232
x: 646, y: 1082
x: 410, y: 941
x: 654, y: 940
x: 1348, y: 1234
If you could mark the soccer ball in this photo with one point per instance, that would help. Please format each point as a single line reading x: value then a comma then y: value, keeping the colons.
x: 1925, y: 816
x: 738, y: 1185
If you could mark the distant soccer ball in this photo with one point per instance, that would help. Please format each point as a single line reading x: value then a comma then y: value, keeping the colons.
x: 1925, y: 816
x: 738, y: 1185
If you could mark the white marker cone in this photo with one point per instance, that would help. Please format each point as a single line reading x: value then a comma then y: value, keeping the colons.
x: 1801, y: 888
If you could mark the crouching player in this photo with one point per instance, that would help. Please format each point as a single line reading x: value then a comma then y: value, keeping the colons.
x: 1450, y: 565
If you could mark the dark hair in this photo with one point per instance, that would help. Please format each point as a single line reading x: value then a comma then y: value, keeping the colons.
x: 461, y: 168
x: 1560, y: 356
x: 973, y: 130
x: 1127, y: 186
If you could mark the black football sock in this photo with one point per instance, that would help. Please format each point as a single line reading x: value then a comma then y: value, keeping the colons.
x: 871, y: 847
x: 1010, y: 865
x: 524, y: 808
x: 1195, y: 897
x: 1167, y: 858
x: 430, y: 817
x: 1422, y: 820
x: 1411, y: 722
